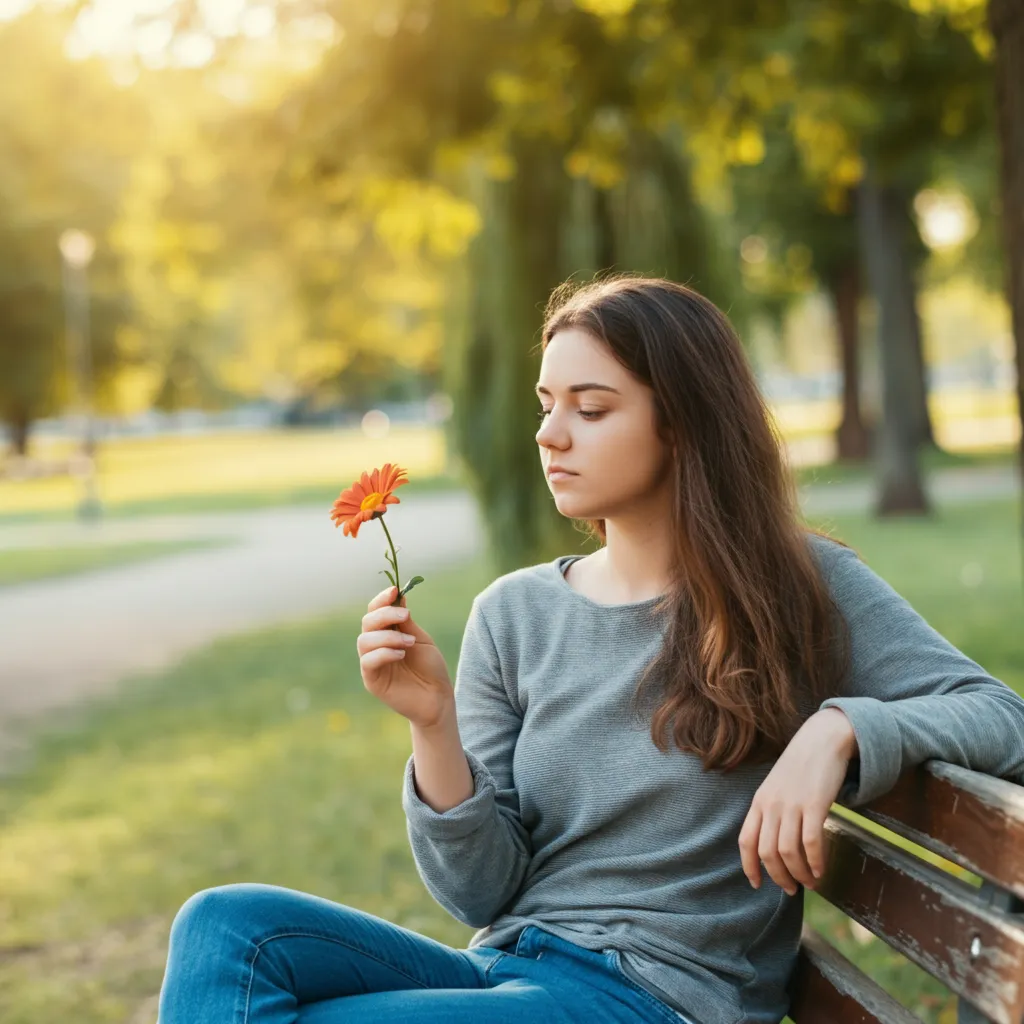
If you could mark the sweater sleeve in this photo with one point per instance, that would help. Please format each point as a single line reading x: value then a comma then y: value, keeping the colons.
x: 910, y: 695
x: 473, y: 857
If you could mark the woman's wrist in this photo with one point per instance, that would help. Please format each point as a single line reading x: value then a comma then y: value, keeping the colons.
x: 441, y: 773
x: 846, y: 738
x: 443, y: 724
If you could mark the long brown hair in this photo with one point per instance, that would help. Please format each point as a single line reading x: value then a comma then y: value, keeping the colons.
x: 755, y: 640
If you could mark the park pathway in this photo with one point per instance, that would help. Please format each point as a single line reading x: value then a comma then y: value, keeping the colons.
x: 62, y: 640
x: 68, y: 638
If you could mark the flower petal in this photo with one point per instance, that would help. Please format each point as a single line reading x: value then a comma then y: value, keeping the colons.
x: 348, y: 507
x: 394, y: 478
x: 353, y: 495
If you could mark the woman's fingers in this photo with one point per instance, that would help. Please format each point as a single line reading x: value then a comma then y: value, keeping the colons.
x: 749, y: 835
x: 377, y: 660
x: 769, y: 854
x: 385, y: 597
x: 384, y: 618
x: 383, y: 614
x: 376, y: 638
x: 791, y: 851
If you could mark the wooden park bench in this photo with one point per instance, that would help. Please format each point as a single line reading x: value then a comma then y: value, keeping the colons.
x: 970, y: 939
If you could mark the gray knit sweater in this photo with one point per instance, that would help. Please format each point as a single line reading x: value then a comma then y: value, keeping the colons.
x: 581, y: 826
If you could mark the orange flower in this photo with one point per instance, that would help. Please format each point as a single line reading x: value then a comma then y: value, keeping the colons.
x: 368, y: 498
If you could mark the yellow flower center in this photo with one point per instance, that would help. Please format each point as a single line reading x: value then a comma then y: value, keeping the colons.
x: 371, y: 501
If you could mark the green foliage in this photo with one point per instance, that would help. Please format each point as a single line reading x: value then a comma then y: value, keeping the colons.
x: 513, y: 266
x: 325, y: 228
x: 66, y: 130
x: 543, y: 120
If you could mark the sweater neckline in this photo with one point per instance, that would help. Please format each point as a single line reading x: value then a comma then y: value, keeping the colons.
x: 562, y: 562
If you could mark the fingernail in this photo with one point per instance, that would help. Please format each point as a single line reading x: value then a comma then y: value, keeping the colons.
x: 408, y: 638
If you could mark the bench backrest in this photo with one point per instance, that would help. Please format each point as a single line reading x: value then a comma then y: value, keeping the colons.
x: 970, y: 939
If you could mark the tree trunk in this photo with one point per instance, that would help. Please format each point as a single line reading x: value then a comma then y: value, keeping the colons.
x: 664, y: 228
x: 604, y: 231
x: 19, y: 424
x: 1006, y: 20
x: 923, y: 431
x: 880, y: 209
x: 853, y: 438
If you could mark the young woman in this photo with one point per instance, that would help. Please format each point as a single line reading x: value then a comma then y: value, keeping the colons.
x: 632, y: 734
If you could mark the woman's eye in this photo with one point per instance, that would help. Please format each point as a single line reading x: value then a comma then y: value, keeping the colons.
x: 586, y: 414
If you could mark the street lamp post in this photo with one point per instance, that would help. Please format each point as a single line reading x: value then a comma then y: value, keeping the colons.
x: 76, y: 249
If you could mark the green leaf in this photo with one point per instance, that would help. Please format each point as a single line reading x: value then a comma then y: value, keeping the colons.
x: 412, y: 583
x: 390, y: 577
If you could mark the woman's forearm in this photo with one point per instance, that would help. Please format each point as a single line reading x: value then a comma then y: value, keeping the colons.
x: 441, y: 772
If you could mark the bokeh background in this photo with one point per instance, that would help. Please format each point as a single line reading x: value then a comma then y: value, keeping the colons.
x: 250, y: 249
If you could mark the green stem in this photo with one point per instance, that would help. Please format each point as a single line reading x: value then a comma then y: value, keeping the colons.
x: 394, y: 560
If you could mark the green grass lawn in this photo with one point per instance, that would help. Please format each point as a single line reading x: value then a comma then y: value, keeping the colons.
x: 225, y: 472
x: 263, y: 758
x: 24, y: 565
x: 932, y: 459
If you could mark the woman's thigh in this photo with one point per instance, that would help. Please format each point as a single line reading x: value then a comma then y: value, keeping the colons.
x: 510, y: 1002
x: 547, y: 980
x: 250, y: 952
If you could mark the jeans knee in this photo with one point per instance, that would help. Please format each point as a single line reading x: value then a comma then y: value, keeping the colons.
x: 207, y: 912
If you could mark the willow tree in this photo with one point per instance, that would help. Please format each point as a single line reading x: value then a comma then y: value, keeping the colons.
x: 494, y: 313
x: 541, y: 226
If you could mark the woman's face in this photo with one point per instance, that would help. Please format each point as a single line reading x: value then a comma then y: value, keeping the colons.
x: 606, y: 436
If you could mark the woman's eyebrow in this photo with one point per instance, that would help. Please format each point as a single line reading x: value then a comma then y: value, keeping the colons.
x: 591, y: 386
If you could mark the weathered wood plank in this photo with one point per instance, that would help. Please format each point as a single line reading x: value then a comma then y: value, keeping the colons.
x: 972, y: 819
x: 1000, y: 899
x: 929, y: 916
x: 826, y: 988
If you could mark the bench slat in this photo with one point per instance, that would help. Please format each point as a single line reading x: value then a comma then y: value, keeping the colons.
x: 972, y: 819
x: 928, y: 915
x: 826, y: 988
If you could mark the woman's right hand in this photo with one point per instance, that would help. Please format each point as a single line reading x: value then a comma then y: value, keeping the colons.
x: 410, y: 676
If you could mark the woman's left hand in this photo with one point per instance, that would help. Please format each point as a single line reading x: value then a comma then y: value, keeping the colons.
x: 785, y: 824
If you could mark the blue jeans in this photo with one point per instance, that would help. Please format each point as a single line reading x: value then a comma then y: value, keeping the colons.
x: 260, y: 954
